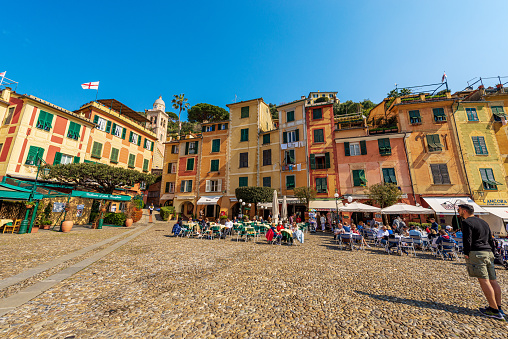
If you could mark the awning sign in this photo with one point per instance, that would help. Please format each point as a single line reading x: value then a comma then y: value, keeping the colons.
x: 94, y: 195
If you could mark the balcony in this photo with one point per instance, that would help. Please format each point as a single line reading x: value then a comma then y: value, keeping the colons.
x: 291, y: 167
x: 350, y: 121
x: 383, y: 130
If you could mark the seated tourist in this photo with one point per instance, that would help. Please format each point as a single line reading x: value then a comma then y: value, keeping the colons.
x: 458, y: 234
x: 414, y: 231
x: 444, y: 237
x: 389, y: 229
x: 449, y: 229
x: 229, y: 226
x: 347, y: 229
x: 338, y: 230
x: 405, y: 231
x: 383, y: 233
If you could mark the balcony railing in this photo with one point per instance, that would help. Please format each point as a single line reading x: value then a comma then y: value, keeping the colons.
x: 350, y: 121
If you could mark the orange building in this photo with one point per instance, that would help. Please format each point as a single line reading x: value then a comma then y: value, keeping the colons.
x: 169, y: 174
x: 187, y: 178
x: 213, y: 170
x: 323, y: 167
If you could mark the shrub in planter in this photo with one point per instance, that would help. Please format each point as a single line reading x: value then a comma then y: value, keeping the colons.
x: 117, y: 219
x: 166, y: 211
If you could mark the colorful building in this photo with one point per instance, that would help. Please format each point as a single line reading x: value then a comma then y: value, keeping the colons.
x: 170, y: 171
x: 34, y: 130
x: 248, y: 119
x: 323, y: 166
x: 213, y: 171
x: 158, y: 124
x: 434, y: 160
x: 187, y: 178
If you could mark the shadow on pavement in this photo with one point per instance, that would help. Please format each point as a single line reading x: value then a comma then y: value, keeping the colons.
x: 418, y: 303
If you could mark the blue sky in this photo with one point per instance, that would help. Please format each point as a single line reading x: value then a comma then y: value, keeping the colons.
x: 278, y: 50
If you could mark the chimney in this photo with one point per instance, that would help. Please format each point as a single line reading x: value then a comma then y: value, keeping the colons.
x: 303, y: 97
x: 6, y: 94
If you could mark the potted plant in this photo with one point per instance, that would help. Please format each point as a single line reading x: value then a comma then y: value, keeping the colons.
x: 29, y: 204
x: 68, y: 222
x: 129, y: 211
x: 46, y: 224
x: 223, y: 218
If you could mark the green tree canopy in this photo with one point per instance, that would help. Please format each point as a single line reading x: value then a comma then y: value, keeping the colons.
x: 394, y: 93
x: 206, y: 112
x: 305, y: 194
x: 273, y: 111
x: 254, y: 194
x: 98, y: 177
x: 349, y: 107
x: 180, y: 103
x: 172, y: 116
x: 384, y: 194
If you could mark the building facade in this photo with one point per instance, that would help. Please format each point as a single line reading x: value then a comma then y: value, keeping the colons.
x: 170, y: 171
x: 35, y: 131
x: 187, y: 178
x: 158, y: 124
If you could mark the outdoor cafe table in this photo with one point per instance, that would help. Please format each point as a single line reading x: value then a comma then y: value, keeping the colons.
x: 4, y: 222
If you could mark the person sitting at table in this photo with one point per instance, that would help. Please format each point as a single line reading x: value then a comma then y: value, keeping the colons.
x: 361, y: 225
x: 346, y: 228
x: 405, y: 231
x: 383, y: 234
x: 390, y: 231
x: 177, y: 228
x: 434, y: 225
x: 458, y: 234
x: 355, y: 230
x: 229, y: 226
x: 444, y: 237
x: 260, y: 219
x: 449, y: 229
x: 280, y: 227
x: 298, y: 219
x: 337, y: 231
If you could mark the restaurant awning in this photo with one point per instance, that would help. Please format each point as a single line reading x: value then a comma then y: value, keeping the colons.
x: 168, y: 196
x: 94, y: 195
x: 324, y: 205
x: 8, y: 192
x: 445, y: 205
x: 501, y: 212
x: 210, y: 200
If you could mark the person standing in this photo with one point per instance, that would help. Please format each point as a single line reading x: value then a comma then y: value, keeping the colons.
x: 323, y: 222
x: 479, y: 253
x: 434, y: 225
x: 151, y: 208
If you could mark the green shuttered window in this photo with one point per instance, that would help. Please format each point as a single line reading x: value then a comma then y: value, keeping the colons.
x: 359, y: 178
x: 290, y: 116
x: 267, y: 181
x: 266, y: 139
x: 96, y: 150
x: 480, y: 147
x: 384, y: 146
x: 190, y: 164
x: 114, y: 155
x: 215, y: 145
x: 132, y: 160
x: 34, y: 155
x: 245, y: 112
x: 317, y: 113
x: 414, y: 117
x: 214, y: 165
x: 434, y: 143
x: 74, y: 130
x: 45, y: 120
x: 489, y: 182
x: 243, y: 181
x: 290, y: 182
x: 244, y: 134
x: 439, y: 114
x: 389, y: 176
x: 440, y: 174
x: 471, y: 114
x: 321, y: 185
x: 145, y: 165
x: 319, y: 136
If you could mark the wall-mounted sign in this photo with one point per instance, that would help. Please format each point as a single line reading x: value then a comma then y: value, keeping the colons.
x: 58, y: 207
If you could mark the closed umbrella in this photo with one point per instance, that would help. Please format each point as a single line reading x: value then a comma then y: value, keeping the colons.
x: 284, y: 212
x: 275, y: 207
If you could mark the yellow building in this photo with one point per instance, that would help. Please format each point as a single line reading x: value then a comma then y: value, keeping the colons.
x: 34, y: 129
x: 293, y: 149
x: 248, y: 119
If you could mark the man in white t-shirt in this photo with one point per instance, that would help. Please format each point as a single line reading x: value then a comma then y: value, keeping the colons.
x: 229, y: 226
x: 383, y: 232
x: 323, y: 222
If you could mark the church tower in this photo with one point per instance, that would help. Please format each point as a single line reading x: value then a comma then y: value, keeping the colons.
x: 159, y: 125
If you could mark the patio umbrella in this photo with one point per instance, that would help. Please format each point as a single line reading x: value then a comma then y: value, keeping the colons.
x: 359, y: 207
x: 275, y: 207
x: 284, y: 212
x: 402, y: 208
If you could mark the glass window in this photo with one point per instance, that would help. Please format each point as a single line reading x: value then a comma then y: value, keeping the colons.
x: 266, y: 139
x: 245, y: 112
x: 45, y: 121
x: 321, y: 185
x: 73, y: 131
x: 171, y: 187
x: 439, y: 114
x: 290, y: 116
x: 34, y: 155
x: 289, y: 157
x: 244, y: 160
x: 101, y: 123
x: 9, y: 115
x: 134, y: 138
x: 479, y: 145
x: 471, y: 114
x: 174, y: 149
x: 244, y: 134
x: 414, y: 117
x: 267, y: 157
x: 389, y: 176
x: 498, y: 112
x: 354, y: 148
x: 214, y: 165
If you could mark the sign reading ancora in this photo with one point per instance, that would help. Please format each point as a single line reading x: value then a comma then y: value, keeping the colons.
x: 501, y: 202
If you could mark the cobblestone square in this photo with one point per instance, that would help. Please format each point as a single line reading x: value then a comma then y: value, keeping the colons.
x: 156, y: 285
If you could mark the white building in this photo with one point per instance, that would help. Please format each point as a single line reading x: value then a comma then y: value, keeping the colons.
x: 159, y: 125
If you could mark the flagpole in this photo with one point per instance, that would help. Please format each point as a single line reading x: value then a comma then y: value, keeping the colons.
x: 97, y: 94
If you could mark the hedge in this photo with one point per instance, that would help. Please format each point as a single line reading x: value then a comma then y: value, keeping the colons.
x: 166, y: 211
x: 117, y: 219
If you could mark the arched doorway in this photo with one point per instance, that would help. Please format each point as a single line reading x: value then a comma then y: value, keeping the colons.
x: 187, y: 209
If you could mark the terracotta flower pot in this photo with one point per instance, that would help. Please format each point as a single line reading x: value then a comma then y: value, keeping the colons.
x: 46, y: 227
x: 103, y: 209
x: 35, y: 229
x: 67, y: 226
x: 128, y: 222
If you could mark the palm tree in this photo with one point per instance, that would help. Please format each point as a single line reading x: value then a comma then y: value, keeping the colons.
x: 180, y: 102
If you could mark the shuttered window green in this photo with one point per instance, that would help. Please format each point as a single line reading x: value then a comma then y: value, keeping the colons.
x: 214, y: 165
x: 266, y: 139
x: 243, y: 181
x: 74, y: 130
x: 132, y: 160
x: 317, y: 113
x: 319, y: 136
x: 290, y: 182
x: 58, y: 158
x: 96, y: 150
x: 44, y: 121
x: 439, y: 114
x: 145, y: 165
x: 479, y: 145
x: 114, y: 155
x: 290, y: 116
x: 384, y: 146
x: 414, y: 117
x: 434, y: 143
x: 244, y: 134
x: 359, y: 178
x: 34, y: 155
x: 190, y: 164
x: 389, y: 176
x: 215, y: 145
x: 321, y: 185
x: 245, y: 112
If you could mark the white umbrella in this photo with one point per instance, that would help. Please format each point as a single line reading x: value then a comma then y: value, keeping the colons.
x: 275, y: 207
x: 284, y: 212
x: 359, y: 207
x: 401, y: 208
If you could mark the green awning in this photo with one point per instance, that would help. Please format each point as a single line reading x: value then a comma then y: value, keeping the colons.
x: 94, y: 195
x: 9, y: 192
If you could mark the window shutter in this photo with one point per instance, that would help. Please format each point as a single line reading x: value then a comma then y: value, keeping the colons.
x: 124, y: 131
x: 436, y: 174
x: 186, y: 148
x: 167, y: 187
x: 297, y: 134
x: 327, y: 160
x: 130, y: 136
x: 346, y: 149
x: 363, y: 147
x: 58, y: 158
x: 189, y: 185
x: 207, y: 186
x: 139, y: 140
x: 113, y: 129
x: 356, y: 178
x: 108, y: 126
x: 151, y: 146
x: 312, y: 161
x: 182, y: 187
x: 213, y: 128
x: 96, y: 119
x: 203, y: 128
x: 443, y: 169
x: 219, y: 187
x: 196, y: 147
x: 76, y: 160
x: 284, y: 137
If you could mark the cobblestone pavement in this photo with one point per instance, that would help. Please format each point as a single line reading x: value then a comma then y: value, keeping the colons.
x: 165, y: 287
x: 23, y: 251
